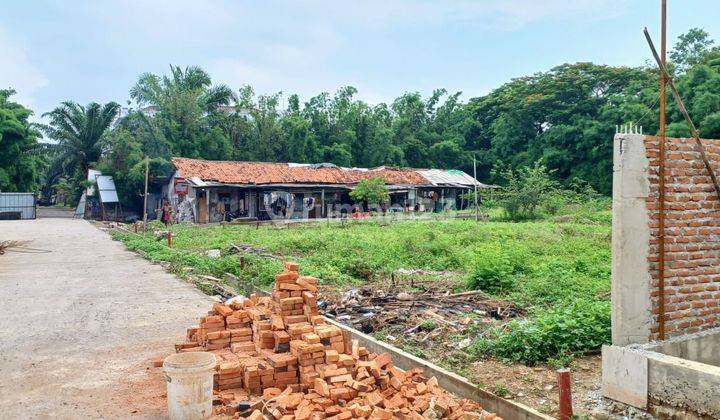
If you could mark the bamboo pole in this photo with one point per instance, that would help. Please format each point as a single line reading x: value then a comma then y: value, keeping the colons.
x: 145, y: 197
x: 661, y: 170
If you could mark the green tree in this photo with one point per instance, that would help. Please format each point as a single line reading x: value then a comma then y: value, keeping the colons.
x: 267, y: 141
x: 338, y: 153
x: 372, y: 190
x: 63, y: 190
x: 524, y: 190
x: 564, y: 116
x: 446, y: 154
x: 20, y: 161
x: 301, y: 145
x: 184, y: 99
x: 691, y: 48
x: 78, y: 134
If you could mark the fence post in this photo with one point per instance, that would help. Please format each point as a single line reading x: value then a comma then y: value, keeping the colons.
x: 565, y: 396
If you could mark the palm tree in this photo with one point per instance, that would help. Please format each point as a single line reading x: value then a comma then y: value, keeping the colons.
x: 192, y: 81
x: 184, y: 98
x: 78, y: 131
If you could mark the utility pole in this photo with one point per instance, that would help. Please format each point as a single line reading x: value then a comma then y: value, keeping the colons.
x: 147, y: 171
x: 661, y: 170
x: 477, y: 210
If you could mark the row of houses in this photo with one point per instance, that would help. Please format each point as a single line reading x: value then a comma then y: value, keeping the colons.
x: 204, y: 191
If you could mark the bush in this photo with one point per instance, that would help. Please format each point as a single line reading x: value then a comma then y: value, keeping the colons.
x: 358, y: 268
x: 554, y: 202
x: 428, y: 325
x: 495, y: 268
x: 580, y: 326
x: 525, y: 190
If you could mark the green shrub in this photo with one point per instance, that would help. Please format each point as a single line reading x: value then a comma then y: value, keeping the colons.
x: 561, y: 331
x: 525, y: 189
x: 560, y: 361
x: 495, y: 268
x: 500, y: 390
x: 358, y: 268
x: 428, y: 325
x: 554, y: 202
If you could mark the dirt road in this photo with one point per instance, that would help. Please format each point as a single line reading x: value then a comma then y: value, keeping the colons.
x: 80, y: 320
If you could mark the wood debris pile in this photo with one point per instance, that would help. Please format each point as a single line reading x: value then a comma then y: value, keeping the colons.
x: 370, y: 308
x: 277, y: 358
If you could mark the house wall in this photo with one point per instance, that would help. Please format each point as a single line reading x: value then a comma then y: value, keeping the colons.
x: 692, y: 239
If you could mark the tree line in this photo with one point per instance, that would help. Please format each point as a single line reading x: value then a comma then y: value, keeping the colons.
x: 564, y: 117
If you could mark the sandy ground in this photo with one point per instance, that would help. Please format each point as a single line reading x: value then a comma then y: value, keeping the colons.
x: 80, y: 320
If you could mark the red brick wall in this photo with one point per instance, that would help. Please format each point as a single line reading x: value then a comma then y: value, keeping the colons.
x: 692, y: 237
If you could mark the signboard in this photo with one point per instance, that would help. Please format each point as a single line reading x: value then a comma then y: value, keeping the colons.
x: 181, y: 187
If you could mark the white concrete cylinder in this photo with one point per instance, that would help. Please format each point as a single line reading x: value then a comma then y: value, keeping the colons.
x: 189, y: 385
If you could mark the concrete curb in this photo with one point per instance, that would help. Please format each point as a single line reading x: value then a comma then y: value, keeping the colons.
x: 453, y: 382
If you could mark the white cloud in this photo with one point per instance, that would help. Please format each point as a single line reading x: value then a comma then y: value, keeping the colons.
x: 18, y: 72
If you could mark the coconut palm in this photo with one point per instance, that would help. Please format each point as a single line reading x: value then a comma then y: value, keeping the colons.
x: 192, y: 81
x: 183, y: 98
x: 77, y: 131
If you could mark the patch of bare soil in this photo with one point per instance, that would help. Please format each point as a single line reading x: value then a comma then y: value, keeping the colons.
x: 536, y: 386
x: 143, y: 391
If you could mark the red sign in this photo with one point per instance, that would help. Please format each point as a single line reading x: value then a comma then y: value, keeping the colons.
x: 181, y: 187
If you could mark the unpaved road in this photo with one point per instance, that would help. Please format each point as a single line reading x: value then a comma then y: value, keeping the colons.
x: 80, y: 323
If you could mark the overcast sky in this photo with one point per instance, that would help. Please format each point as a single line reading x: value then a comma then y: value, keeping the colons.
x: 51, y: 51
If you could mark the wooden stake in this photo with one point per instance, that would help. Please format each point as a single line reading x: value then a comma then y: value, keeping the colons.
x: 565, y: 396
x: 477, y: 210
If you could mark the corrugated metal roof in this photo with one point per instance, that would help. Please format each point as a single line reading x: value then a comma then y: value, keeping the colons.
x: 450, y: 177
x: 283, y: 173
x: 106, y: 187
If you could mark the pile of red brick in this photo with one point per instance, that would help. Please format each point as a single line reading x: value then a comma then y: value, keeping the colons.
x: 278, y: 358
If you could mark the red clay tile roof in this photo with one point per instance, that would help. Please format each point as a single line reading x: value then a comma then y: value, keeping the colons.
x: 228, y: 172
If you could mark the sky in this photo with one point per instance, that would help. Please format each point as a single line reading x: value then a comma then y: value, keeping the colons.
x: 83, y: 51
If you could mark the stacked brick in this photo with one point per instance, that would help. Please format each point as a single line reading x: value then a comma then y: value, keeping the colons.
x: 692, y: 228
x: 279, y: 359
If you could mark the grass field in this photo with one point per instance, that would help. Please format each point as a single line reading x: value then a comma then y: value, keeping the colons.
x: 557, y: 269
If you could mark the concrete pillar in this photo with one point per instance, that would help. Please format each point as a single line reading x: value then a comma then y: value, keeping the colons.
x: 631, y: 281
